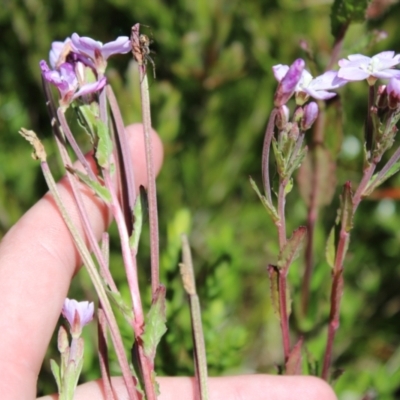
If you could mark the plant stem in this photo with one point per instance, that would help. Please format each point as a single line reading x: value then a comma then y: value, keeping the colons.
x: 128, y: 187
x: 95, y: 278
x: 269, y: 133
x: 129, y: 261
x: 151, y: 179
x: 189, y: 284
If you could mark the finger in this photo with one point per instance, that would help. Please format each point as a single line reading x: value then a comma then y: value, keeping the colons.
x: 37, y: 262
x: 254, y: 387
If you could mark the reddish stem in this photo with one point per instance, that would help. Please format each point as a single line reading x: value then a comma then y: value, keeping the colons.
x: 284, y: 318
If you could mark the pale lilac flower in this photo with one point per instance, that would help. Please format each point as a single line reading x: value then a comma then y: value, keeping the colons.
x: 310, y: 115
x: 358, y: 67
x: 99, y: 52
x: 318, y: 88
x: 72, y: 308
x: 288, y: 81
x: 393, y: 93
x: 64, y: 78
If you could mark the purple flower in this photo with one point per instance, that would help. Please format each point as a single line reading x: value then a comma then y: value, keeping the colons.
x: 359, y: 67
x: 393, y: 93
x: 78, y: 314
x: 289, y: 78
x: 99, y: 52
x: 318, y: 88
x: 65, y: 79
x: 310, y: 115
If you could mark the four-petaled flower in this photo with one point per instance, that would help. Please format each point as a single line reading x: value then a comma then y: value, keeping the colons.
x: 358, y: 67
x: 78, y: 314
x: 318, y: 88
x: 99, y: 52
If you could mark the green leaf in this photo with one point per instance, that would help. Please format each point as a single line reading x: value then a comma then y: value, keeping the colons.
x: 293, y: 364
x: 273, y: 274
x: 154, y: 324
x: 96, y: 186
x: 330, y: 250
x: 292, y: 248
x: 269, y: 206
x: 279, y: 158
x: 137, y: 224
x: 55, y: 369
x: 119, y: 302
x: 87, y: 120
x: 347, y: 208
x: 344, y: 12
x: 104, y: 145
x: 377, y: 180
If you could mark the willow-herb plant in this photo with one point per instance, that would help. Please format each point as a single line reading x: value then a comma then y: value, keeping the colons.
x: 78, y: 71
x: 285, y: 137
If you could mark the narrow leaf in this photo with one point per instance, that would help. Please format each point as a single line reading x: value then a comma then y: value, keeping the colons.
x: 104, y: 145
x: 269, y: 206
x: 347, y: 207
x: 377, y: 180
x: 154, y: 324
x: 330, y: 250
x: 96, y: 186
x: 55, y: 369
x: 119, y: 302
x: 293, y: 364
x: 279, y: 158
x: 292, y: 248
x: 273, y: 274
x: 137, y: 224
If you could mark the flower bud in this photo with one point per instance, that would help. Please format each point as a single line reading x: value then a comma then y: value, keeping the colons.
x: 282, y: 118
x: 288, y: 83
x: 310, y: 115
x: 393, y: 92
x: 381, y: 97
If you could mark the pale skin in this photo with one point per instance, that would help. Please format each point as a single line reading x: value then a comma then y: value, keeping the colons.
x: 37, y: 263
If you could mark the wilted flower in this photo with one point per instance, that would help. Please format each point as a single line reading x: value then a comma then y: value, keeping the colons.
x: 99, y: 52
x: 288, y: 81
x: 393, y: 93
x: 358, y: 67
x: 318, y: 88
x: 78, y: 314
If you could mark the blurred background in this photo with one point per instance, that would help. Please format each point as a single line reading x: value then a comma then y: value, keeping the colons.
x: 210, y: 104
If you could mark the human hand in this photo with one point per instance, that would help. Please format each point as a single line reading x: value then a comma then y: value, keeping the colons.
x: 38, y: 259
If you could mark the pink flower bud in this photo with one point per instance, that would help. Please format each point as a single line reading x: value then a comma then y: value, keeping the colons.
x: 393, y: 92
x: 310, y: 115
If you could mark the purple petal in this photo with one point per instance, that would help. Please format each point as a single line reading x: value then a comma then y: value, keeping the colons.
x: 280, y: 71
x: 327, y: 81
x: 84, y: 309
x: 352, y: 74
x: 320, y: 94
x: 56, y: 50
x: 86, y: 45
x: 387, y: 74
x: 288, y: 84
x: 90, y: 88
x: 121, y: 45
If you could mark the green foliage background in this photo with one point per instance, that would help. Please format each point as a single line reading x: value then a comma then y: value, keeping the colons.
x: 210, y: 104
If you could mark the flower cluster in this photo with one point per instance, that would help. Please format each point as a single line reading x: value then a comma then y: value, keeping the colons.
x: 297, y: 80
x: 78, y: 65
